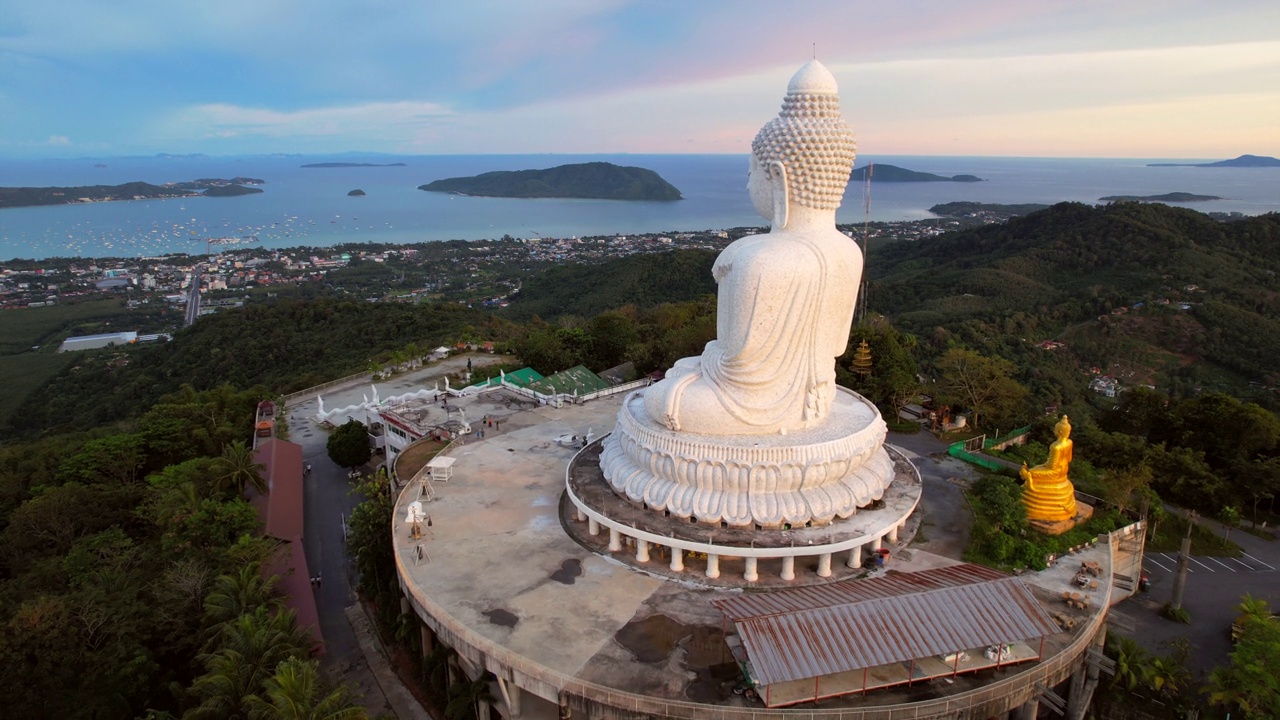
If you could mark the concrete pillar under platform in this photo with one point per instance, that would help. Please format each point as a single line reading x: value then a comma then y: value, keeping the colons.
x: 751, y: 573
x: 713, y: 566
x: 824, y: 565
x: 855, y: 558
x: 593, y: 527
x: 615, y: 540
x: 789, y: 567
x: 677, y: 560
x: 642, y: 550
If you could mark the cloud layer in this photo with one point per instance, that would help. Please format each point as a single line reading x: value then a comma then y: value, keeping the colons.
x: 1145, y: 79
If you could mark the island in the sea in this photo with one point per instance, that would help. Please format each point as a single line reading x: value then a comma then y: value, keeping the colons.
x: 1244, y: 161
x: 347, y: 164
x: 997, y: 210
x: 593, y: 180
x: 892, y: 173
x: 1181, y: 197
x: 210, y: 187
x: 356, y: 193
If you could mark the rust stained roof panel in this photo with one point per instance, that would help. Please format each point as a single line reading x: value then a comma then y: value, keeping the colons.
x: 825, y: 640
x: 896, y: 584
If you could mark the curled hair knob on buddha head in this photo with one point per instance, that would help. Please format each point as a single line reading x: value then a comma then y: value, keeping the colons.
x: 809, y: 141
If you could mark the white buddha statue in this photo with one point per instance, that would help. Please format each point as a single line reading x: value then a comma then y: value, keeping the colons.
x: 786, y: 298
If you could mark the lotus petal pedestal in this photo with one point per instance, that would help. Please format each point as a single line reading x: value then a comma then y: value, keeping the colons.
x: 807, y: 477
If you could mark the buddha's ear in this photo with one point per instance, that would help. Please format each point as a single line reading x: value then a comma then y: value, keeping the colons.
x: 778, y: 177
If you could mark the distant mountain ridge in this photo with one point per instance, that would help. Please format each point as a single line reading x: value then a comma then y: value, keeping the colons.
x: 594, y: 181
x: 1248, y: 161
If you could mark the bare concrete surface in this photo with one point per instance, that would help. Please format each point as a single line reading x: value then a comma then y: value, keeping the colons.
x: 497, y: 566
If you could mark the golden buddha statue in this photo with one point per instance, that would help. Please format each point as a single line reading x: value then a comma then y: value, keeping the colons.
x: 1047, y: 493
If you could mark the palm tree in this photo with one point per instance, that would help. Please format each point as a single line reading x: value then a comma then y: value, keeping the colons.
x: 242, y: 592
x: 1132, y: 661
x: 250, y: 648
x: 1254, y: 608
x: 1165, y: 675
x: 238, y: 468
x: 175, y: 502
x: 295, y: 692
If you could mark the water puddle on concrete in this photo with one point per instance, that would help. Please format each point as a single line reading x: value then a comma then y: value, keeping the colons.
x: 653, y: 639
x: 569, y: 572
x: 505, y: 618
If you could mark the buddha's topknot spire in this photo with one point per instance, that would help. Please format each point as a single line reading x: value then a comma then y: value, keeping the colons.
x: 813, y: 79
x: 810, y: 139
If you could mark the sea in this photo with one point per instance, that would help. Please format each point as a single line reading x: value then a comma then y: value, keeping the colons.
x: 310, y: 206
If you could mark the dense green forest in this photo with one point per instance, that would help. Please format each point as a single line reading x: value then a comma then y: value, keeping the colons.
x: 1170, y: 296
x: 130, y: 574
x: 640, y: 280
x: 595, y: 180
x: 1200, y: 314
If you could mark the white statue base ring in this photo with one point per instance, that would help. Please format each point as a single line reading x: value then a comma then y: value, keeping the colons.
x: 807, y: 477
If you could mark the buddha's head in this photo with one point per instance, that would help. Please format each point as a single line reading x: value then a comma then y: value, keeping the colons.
x: 1063, y: 428
x: 807, y: 152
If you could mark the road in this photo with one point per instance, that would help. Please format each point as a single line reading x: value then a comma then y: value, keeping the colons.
x: 193, y: 299
x: 1214, y: 588
x: 328, y: 503
x: 947, y: 520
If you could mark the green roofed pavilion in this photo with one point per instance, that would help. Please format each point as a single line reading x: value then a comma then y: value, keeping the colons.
x: 524, y: 377
x: 577, y: 379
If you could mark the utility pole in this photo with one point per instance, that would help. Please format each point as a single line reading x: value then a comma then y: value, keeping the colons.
x: 1184, y: 563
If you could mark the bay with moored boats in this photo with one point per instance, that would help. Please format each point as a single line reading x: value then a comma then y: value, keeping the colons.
x: 311, y: 206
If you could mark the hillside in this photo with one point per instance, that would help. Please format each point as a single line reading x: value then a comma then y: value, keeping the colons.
x: 213, y: 187
x: 640, y: 280
x: 1150, y: 285
x: 1157, y: 295
x: 30, y: 196
x: 283, y: 345
x: 595, y: 180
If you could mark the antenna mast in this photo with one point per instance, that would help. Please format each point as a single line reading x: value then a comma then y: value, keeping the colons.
x: 866, y: 223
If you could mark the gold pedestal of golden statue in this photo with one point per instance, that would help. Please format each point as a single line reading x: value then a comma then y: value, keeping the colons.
x: 1048, y: 493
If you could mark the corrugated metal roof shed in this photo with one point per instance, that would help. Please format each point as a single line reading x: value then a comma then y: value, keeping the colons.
x: 750, y: 605
x: 819, y: 640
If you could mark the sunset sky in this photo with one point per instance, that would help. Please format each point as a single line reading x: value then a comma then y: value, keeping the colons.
x: 1132, y: 78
